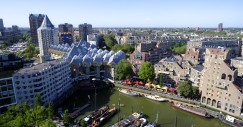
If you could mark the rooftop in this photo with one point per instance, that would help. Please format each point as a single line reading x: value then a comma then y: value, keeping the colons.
x: 198, y: 67
x: 217, y: 51
x: 46, y: 23
x: 216, y: 39
x: 40, y: 66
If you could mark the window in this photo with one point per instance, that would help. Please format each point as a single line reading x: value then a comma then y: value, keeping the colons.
x: 230, y: 77
x: 223, y: 76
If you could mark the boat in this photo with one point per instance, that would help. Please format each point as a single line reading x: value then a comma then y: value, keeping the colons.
x: 191, y: 109
x: 155, y: 97
x: 139, y: 123
x: 129, y: 120
x: 95, y: 114
x: 104, y: 118
x: 151, y: 124
x: 128, y: 92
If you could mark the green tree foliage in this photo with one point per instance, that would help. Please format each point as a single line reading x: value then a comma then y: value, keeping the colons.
x: 22, y: 115
x: 101, y: 41
x: 186, y: 89
x: 30, y: 40
x: 50, y: 110
x: 124, y: 47
x: 25, y: 36
x: 77, y: 37
x: 3, y: 46
x: 123, y: 69
x: 47, y: 123
x: 35, y: 116
x: 161, y: 79
x: 195, y: 92
x: 30, y: 51
x: 110, y: 40
x: 146, y: 71
x: 38, y: 100
x: 179, y: 48
x: 66, y: 118
x: 83, y: 124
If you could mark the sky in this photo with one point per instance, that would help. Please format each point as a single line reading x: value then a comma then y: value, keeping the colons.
x: 126, y: 13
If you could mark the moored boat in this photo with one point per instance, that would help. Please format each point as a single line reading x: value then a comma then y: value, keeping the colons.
x: 139, y: 123
x: 105, y: 117
x: 155, y: 97
x: 128, y: 92
x: 191, y: 109
x: 151, y: 125
x: 129, y: 120
x: 95, y: 114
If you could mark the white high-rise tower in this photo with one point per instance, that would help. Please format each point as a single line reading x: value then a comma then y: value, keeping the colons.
x: 47, y: 35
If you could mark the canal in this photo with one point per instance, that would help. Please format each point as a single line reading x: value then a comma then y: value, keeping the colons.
x: 166, y: 114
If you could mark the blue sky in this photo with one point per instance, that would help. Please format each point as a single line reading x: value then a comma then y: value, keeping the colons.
x: 127, y: 13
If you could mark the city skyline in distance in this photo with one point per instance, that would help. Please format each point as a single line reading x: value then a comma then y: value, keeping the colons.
x: 135, y: 13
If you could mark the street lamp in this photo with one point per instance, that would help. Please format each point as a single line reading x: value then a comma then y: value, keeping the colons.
x: 93, y: 79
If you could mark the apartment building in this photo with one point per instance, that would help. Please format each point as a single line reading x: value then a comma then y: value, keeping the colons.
x: 177, y: 70
x: 152, y: 52
x: 195, y: 73
x: 219, y: 85
x: 195, y: 55
x: 7, y: 96
x: 65, y: 28
x: 50, y: 80
x: 35, y: 21
x: 216, y: 42
x: 47, y: 35
x: 84, y: 30
x: 1, y: 25
x: 238, y: 63
x: 10, y: 62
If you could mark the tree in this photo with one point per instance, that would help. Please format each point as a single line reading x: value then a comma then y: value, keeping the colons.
x: 101, y: 41
x: 77, y: 37
x: 3, y: 46
x: 123, y: 69
x: 185, y: 88
x: 20, y: 40
x: 38, y: 100
x: 124, y: 47
x: 20, y: 54
x: 35, y: 116
x: 83, y: 124
x: 50, y: 110
x: 29, y: 52
x: 117, y: 47
x: 161, y: 79
x: 66, y: 117
x: 146, y: 71
x: 195, y: 92
x: 21, y: 115
x: 110, y: 40
x: 128, y: 48
x: 25, y: 36
x: 47, y: 123
x: 179, y: 48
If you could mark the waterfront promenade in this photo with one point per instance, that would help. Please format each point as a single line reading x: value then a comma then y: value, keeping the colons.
x: 174, y: 97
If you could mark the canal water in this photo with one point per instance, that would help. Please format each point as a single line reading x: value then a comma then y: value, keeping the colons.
x: 166, y: 113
